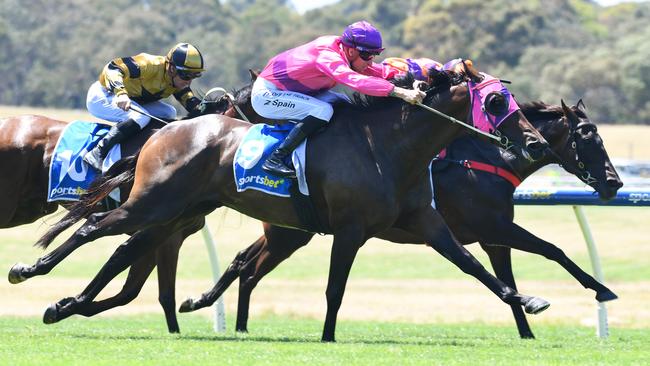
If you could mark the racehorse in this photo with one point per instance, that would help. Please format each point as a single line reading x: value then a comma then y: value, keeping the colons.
x: 27, y: 143
x: 190, y: 165
x: 476, y: 204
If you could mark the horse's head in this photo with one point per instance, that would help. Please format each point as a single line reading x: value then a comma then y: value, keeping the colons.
x: 493, y: 109
x: 584, y: 154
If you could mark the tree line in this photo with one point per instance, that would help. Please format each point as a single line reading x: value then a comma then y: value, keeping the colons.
x: 51, y: 51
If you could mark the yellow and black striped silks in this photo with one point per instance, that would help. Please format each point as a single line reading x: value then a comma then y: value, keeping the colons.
x: 144, y: 79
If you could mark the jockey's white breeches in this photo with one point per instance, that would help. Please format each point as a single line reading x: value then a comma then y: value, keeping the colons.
x: 100, y: 103
x: 273, y: 103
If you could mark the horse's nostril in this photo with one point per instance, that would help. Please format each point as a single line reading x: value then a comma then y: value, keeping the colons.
x: 614, y: 183
x: 536, y: 149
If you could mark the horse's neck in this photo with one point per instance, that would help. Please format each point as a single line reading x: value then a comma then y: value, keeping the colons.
x: 411, y: 143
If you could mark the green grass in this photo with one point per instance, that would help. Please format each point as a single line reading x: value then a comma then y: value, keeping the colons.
x: 289, y: 341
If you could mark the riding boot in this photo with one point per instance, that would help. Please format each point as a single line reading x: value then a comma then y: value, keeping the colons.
x: 118, y: 133
x: 275, y: 164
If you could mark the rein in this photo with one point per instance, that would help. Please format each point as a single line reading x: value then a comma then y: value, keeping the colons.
x: 497, y: 137
x: 148, y: 115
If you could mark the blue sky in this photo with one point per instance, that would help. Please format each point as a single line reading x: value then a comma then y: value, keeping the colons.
x: 304, y: 5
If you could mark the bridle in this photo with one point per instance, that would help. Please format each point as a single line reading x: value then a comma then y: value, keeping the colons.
x: 225, y: 94
x: 577, y: 167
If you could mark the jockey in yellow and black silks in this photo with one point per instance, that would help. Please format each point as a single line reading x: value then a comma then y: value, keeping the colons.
x: 141, y: 81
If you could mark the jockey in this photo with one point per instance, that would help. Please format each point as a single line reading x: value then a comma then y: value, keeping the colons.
x: 296, y: 84
x: 140, y: 82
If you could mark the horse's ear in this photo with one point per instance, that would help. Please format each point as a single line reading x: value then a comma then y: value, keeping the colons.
x: 581, y: 106
x: 571, y: 116
x: 254, y: 74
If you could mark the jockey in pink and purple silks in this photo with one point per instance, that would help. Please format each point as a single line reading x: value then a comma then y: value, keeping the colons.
x: 295, y: 84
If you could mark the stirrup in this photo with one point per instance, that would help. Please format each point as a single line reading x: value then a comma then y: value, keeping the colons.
x: 277, y: 167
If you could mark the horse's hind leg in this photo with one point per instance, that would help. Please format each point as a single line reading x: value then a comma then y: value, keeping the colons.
x: 139, y: 244
x: 279, y: 245
x: 135, y: 214
x: 167, y: 260
x: 138, y: 274
x: 501, y: 262
x: 516, y: 237
x: 21, y: 272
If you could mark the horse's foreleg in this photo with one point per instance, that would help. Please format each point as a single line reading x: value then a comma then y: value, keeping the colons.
x: 516, y: 237
x: 429, y: 224
x: 227, y: 278
x: 501, y: 262
x: 279, y: 244
x: 344, y: 249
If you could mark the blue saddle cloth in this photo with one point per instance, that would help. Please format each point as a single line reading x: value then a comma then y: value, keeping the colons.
x: 256, y: 146
x: 70, y: 176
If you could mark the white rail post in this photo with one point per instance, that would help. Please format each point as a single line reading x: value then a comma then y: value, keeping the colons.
x: 219, y: 311
x: 602, y: 329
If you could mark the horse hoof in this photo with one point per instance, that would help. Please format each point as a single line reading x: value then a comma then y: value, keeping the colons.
x: 15, y: 273
x: 536, y: 305
x: 527, y: 335
x: 186, y: 306
x: 606, y: 296
x: 50, y: 316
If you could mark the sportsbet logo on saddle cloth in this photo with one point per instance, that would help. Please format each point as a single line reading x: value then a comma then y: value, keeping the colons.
x: 258, y: 143
x: 69, y: 176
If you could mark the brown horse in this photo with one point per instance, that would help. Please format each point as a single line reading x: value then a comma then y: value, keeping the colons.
x: 190, y: 165
x: 26, y: 146
x: 476, y: 205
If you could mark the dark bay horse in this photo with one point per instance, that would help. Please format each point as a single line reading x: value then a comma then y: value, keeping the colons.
x: 573, y: 138
x: 185, y: 171
x: 477, y: 206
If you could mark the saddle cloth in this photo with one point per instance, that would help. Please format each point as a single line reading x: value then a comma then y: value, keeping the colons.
x: 257, y: 145
x: 70, y: 176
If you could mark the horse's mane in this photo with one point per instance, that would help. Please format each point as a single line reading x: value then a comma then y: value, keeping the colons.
x: 438, y: 81
x: 242, y: 95
x: 539, y: 110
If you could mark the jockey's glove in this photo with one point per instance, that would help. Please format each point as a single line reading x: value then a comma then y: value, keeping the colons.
x: 408, y: 95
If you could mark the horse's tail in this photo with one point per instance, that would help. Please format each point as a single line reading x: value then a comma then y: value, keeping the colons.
x: 120, y: 173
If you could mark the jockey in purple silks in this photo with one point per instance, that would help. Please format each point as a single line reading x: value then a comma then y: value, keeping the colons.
x: 295, y: 84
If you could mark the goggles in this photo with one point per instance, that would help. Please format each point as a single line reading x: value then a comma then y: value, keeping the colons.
x: 367, y: 56
x: 187, y: 75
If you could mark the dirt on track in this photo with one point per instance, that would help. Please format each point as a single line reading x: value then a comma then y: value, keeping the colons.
x: 416, y: 301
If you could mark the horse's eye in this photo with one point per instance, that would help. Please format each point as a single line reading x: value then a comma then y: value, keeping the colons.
x: 587, y: 129
x: 496, y: 104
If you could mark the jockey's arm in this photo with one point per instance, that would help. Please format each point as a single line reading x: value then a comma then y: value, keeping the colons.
x: 187, y: 99
x: 113, y: 74
x: 333, y: 65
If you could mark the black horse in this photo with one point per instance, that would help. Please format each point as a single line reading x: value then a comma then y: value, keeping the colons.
x: 476, y: 204
x: 185, y: 171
